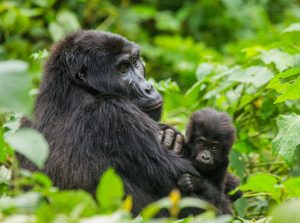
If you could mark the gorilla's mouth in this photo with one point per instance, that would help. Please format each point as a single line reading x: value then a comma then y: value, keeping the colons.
x: 153, y: 106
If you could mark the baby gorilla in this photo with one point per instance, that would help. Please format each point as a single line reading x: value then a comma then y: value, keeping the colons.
x: 210, y: 135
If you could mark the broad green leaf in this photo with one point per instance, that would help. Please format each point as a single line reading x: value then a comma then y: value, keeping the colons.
x: 78, y: 203
x: 166, y: 21
x: 281, y: 59
x: 29, y: 143
x: 288, y: 212
x: 110, y: 191
x: 292, y: 187
x: 288, y: 137
x: 291, y: 93
x: 5, y: 174
x: 256, y: 75
x: 66, y: 22
x: 295, y: 27
x: 288, y: 84
x: 25, y: 201
x: 241, y: 206
x: 203, y: 70
x: 14, y: 87
x: 262, y: 182
x: 56, y: 31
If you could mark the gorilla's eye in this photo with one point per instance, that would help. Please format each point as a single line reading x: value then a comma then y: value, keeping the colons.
x: 135, y: 60
x: 214, y: 148
x: 200, y: 145
x: 123, y: 68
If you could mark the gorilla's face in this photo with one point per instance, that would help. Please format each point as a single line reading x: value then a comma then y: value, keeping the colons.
x: 105, y: 63
x: 131, y: 71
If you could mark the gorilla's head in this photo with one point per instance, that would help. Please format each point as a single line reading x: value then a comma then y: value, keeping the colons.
x: 103, y: 63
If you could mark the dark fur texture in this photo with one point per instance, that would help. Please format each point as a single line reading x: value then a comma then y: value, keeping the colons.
x: 215, y: 127
x: 87, y: 133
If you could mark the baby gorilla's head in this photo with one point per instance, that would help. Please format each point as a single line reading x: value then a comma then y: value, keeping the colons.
x: 210, y: 137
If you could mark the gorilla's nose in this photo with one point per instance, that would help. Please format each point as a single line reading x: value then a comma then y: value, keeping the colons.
x: 205, y: 157
x: 148, y: 89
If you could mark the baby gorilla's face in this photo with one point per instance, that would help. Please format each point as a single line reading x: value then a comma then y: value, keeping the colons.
x: 206, y: 153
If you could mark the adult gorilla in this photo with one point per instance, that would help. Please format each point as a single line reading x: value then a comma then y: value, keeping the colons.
x: 91, y: 109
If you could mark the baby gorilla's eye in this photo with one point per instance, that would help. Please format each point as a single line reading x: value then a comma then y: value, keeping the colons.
x: 214, y: 148
x: 200, y: 145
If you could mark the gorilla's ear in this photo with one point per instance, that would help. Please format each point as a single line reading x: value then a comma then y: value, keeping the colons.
x: 81, y: 74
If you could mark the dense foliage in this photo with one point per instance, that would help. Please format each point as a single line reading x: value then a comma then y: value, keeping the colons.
x: 239, y: 56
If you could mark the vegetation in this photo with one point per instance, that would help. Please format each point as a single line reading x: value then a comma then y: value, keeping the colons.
x: 239, y: 56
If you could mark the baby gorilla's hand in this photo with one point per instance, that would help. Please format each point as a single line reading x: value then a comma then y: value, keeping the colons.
x: 170, y: 138
x: 186, y: 183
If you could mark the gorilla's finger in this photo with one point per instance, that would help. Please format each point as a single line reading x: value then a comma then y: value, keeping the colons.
x: 160, y: 136
x: 168, y: 138
x: 179, y: 140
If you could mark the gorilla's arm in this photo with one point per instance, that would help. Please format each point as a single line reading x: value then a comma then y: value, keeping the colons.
x: 231, y: 183
x: 170, y: 138
x: 115, y: 133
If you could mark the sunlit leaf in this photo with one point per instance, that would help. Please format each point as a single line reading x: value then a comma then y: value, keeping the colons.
x: 287, y: 212
x: 262, y: 182
x: 281, y: 59
x: 256, y: 75
x: 288, y: 137
x: 29, y: 143
x: 14, y: 87
x: 26, y: 201
x: 294, y: 27
x: 288, y: 84
x: 203, y: 70
x: 292, y: 187
x: 110, y: 191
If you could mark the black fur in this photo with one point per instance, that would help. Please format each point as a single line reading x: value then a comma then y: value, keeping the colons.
x: 93, y: 125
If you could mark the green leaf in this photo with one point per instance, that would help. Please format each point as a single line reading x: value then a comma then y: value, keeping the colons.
x: 256, y: 75
x: 29, y: 143
x: 5, y: 174
x: 260, y: 182
x: 25, y: 201
x: 288, y: 137
x: 292, y: 187
x: 78, y: 203
x: 203, y: 70
x: 110, y: 191
x: 292, y: 92
x: 287, y: 83
x: 295, y: 27
x: 14, y: 87
x: 263, y: 182
x: 287, y: 212
x: 281, y: 59
x: 66, y: 22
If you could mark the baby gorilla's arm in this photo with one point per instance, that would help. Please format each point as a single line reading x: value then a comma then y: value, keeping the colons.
x: 206, y: 190
x: 198, y: 184
x: 231, y: 183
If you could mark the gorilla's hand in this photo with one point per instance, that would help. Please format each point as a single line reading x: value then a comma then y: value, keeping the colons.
x: 170, y: 138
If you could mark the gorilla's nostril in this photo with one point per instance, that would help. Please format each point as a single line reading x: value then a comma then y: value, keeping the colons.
x: 148, y: 91
x: 205, y: 157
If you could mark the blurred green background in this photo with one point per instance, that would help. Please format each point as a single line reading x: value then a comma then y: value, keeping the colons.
x: 239, y: 56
